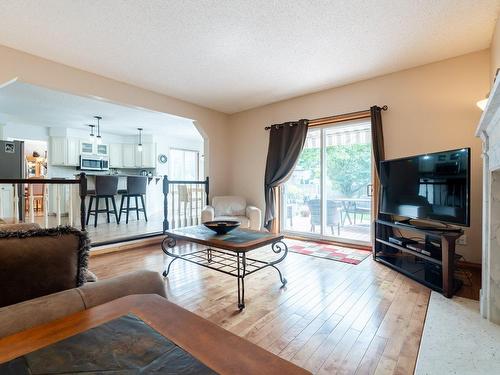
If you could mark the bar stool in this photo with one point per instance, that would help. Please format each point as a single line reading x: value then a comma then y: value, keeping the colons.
x: 136, y: 188
x: 105, y: 187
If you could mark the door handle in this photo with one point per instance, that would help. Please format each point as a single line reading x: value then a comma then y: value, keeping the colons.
x: 369, y: 190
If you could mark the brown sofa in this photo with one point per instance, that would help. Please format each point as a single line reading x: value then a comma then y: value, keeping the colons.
x: 43, y: 272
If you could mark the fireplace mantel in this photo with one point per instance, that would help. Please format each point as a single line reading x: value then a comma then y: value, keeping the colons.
x: 489, y: 132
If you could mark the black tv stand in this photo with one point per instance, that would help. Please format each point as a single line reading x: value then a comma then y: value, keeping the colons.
x: 408, y: 223
x: 434, y: 267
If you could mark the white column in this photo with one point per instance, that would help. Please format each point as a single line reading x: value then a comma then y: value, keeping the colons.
x: 484, y: 292
x: 46, y: 205
x: 58, y: 203
x: 32, y: 203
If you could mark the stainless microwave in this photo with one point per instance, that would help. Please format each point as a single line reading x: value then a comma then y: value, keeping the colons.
x: 93, y: 163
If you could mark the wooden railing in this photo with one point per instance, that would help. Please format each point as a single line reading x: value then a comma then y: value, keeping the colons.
x: 183, y: 202
x: 23, y: 195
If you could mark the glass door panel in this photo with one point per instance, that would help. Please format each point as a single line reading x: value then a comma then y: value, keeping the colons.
x: 301, y: 199
x: 348, y: 179
x: 329, y: 192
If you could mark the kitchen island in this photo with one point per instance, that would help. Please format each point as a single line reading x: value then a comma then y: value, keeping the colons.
x: 153, y: 202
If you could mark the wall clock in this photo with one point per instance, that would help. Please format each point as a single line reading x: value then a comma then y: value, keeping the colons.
x: 162, y: 158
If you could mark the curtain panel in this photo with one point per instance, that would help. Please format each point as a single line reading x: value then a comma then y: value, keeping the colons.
x: 286, y: 142
x: 378, y: 156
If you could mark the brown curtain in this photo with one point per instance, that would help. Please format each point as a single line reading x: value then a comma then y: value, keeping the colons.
x: 285, y: 144
x: 378, y: 153
x: 378, y: 156
x: 377, y: 137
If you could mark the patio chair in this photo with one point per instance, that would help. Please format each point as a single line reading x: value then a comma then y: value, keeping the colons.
x: 332, y: 214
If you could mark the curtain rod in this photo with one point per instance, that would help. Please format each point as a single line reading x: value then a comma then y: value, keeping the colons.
x: 339, y: 118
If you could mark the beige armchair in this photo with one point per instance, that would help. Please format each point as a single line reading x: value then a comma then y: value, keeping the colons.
x: 233, y: 208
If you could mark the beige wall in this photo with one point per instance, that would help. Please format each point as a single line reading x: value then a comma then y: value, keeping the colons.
x: 431, y: 108
x: 495, y: 51
x: 38, y: 71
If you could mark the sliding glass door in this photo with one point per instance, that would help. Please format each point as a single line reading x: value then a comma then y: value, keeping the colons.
x: 329, y: 193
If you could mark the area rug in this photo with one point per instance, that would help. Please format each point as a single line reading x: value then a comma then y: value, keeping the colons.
x: 333, y: 252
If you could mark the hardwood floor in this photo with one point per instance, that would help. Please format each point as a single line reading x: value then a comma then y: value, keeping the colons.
x: 332, y: 317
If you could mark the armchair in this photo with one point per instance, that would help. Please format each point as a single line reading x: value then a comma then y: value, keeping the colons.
x: 233, y: 208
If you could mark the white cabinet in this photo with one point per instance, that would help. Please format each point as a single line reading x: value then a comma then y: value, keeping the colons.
x: 116, y: 155
x: 132, y: 158
x: 129, y: 155
x: 73, y: 152
x: 148, y: 157
x: 58, y: 151
x: 64, y: 151
x: 90, y: 148
x: 101, y: 150
x: 86, y: 147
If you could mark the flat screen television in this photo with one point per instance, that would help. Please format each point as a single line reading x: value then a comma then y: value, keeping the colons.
x: 428, y: 187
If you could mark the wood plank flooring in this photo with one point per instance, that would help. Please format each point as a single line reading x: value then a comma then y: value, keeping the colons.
x: 332, y: 317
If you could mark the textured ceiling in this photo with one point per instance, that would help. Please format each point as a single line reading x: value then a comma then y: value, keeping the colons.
x: 232, y: 55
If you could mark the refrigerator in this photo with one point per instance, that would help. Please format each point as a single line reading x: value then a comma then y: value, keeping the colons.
x: 13, y: 166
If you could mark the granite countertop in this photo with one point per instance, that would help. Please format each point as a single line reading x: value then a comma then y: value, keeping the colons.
x: 117, y: 175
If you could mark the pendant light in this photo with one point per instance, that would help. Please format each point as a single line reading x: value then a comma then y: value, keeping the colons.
x: 139, y: 145
x: 92, y: 135
x: 98, y: 137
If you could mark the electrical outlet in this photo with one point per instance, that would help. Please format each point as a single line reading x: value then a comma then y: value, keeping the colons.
x: 462, y: 240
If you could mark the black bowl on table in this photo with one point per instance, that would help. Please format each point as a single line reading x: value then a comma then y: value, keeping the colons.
x: 222, y: 226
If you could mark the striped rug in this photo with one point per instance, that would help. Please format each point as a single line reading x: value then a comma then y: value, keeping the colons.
x: 326, y: 251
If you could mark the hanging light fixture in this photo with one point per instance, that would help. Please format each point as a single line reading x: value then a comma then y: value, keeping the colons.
x: 139, y: 145
x: 92, y: 135
x: 98, y: 137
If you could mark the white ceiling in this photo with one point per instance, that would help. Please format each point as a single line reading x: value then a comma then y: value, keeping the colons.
x: 34, y: 105
x: 232, y: 55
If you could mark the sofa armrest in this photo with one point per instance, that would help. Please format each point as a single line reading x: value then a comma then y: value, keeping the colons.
x: 41, y: 310
x: 254, y: 215
x: 207, y: 214
x: 139, y: 282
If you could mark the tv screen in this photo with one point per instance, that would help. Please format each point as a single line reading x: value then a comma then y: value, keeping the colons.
x: 431, y: 186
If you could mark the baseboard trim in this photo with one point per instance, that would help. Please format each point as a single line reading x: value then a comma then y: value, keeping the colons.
x: 123, y: 246
x: 465, y: 264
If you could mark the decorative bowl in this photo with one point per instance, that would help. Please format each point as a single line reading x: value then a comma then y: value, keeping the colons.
x: 222, y: 226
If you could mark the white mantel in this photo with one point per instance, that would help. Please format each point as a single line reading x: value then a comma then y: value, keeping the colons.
x: 489, y: 132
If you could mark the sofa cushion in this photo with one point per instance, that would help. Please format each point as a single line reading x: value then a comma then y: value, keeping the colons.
x: 229, y: 206
x: 38, y: 262
x: 245, y: 222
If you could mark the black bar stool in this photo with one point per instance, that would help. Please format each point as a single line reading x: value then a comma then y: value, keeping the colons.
x: 105, y: 187
x: 136, y: 188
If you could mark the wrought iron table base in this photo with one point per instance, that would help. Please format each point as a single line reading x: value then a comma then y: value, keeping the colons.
x: 231, y: 263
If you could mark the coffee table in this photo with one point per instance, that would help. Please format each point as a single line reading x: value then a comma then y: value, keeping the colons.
x: 226, y: 253
x: 216, y: 348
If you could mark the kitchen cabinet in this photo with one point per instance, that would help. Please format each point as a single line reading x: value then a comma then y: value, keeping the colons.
x: 116, y: 155
x: 129, y: 155
x: 58, y: 151
x: 90, y: 148
x: 148, y: 157
x: 73, y: 152
x: 101, y: 150
x: 64, y: 151
x: 132, y: 158
x: 86, y: 147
